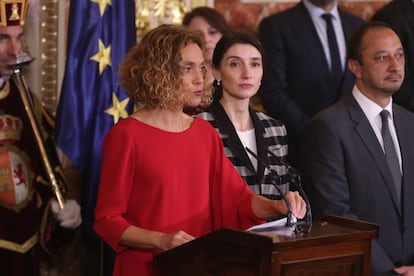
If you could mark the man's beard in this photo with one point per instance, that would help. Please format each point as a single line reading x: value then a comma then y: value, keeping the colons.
x: 321, y: 3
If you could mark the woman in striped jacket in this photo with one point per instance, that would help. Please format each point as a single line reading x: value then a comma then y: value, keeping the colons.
x: 238, y: 70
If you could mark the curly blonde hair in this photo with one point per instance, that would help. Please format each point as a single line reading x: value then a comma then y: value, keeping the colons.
x: 151, y: 72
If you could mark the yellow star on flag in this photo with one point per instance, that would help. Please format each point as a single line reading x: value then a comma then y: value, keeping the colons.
x: 103, y: 57
x: 102, y: 5
x: 118, y: 109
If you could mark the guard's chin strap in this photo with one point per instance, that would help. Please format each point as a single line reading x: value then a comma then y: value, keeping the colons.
x: 3, y: 80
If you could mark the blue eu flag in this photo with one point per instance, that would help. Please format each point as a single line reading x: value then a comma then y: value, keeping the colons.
x: 91, y: 102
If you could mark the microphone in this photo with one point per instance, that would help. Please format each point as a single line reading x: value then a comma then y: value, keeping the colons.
x: 297, y: 181
x: 276, y: 180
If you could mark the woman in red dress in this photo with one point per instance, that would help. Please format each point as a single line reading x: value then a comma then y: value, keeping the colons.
x: 165, y: 179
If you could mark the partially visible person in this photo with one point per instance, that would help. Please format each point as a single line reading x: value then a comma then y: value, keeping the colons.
x: 299, y: 77
x: 173, y: 180
x: 211, y: 25
x: 238, y: 70
x: 32, y: 222
x: 399, y: 14
x: 344, y: 158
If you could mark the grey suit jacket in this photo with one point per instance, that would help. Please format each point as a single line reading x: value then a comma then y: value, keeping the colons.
x: 345, y: 173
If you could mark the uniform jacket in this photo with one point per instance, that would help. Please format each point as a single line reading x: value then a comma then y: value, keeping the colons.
x: 25, y: 191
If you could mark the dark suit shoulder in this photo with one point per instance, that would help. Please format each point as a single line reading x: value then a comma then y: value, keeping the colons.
x: 284, y: 15
x: 350, y: 22
x: 349, y: 17
x: 399, y: 14
x: 298, y: 15
x: 392, y: 9
x: 332, y: 113
x: 402, y: 111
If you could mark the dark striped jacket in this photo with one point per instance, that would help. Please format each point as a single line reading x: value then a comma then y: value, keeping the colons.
x: 270, y: 134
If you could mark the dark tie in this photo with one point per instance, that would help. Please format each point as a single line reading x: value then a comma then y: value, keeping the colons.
x: 336, y: 67
x: 390, y: 152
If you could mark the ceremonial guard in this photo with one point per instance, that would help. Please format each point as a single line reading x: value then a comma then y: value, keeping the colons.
x: 34, y: 213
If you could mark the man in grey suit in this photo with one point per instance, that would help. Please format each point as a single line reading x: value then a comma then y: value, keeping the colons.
x: 298, y: 80
x: 343, y: 163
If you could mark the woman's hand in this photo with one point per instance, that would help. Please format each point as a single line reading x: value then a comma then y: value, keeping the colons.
x: 171, y: 240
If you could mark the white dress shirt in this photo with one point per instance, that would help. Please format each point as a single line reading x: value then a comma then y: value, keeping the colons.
x: 320, y: 25
x: 372, y: 112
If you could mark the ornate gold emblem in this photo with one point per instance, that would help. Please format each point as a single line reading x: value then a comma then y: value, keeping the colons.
x: 151, y: 13
x: 16, y: 178
x: 15, y: 12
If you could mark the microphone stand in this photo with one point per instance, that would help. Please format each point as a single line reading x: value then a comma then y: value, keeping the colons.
x: 276, y: 180
x: 297, y: 181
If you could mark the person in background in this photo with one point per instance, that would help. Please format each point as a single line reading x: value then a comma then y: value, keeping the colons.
x: 173, y: 180
x: 399, y: 14
x: 344, y: 158
x: 300, y: 76
x: 211, y: 25
x: 32, y: 223
x: 238, y: 70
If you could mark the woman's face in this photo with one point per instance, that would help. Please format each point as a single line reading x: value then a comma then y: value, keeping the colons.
x: 210, y: 35
x: 240, y: 72
x: 193, y: 71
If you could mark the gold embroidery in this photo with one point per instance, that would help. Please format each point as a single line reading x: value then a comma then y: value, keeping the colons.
x: 4, y: 92
x: 21, y: 248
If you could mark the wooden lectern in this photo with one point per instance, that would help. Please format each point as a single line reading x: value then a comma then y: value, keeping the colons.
x: 335, y: 246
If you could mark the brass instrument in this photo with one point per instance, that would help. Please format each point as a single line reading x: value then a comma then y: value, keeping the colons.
x: 54, y: 172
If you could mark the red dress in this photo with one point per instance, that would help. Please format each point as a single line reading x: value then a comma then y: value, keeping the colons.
x: 166, y: 181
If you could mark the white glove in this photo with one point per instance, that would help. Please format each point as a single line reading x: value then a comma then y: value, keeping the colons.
x: 68, y: 217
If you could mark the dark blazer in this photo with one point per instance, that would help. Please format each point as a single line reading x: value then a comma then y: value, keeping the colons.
x: 345, y: 173
x: 297, y: 82
x: 399, y: 14
x: 270, y: 135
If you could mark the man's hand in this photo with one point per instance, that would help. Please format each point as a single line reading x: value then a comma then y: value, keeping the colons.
x: 68, y: 217
x: 297, y: 204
